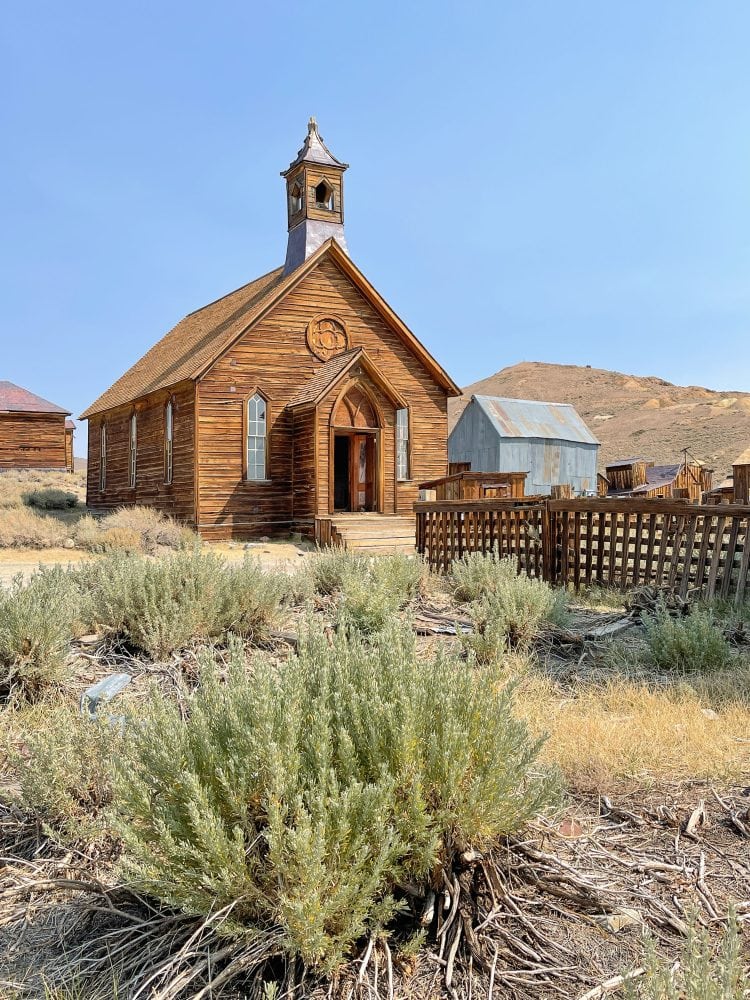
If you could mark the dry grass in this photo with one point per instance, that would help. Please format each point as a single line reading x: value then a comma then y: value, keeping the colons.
x: 14, y: 484
x: 624, y: 734
x: 21, y: 528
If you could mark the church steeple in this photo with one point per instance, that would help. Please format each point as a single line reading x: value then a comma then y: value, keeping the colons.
x: 315, y: 199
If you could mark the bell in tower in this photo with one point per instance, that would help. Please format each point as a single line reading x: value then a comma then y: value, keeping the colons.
x: 315, y: 199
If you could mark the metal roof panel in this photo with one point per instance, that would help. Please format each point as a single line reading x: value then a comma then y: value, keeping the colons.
x: 532, y: 418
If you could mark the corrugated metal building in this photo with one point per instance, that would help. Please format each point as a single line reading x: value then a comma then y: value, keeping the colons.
x: 547, y: 440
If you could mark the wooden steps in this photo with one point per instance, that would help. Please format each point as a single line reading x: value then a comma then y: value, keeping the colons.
x: 374, y: 533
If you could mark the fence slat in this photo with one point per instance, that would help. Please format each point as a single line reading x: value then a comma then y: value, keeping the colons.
x: 664, y: 543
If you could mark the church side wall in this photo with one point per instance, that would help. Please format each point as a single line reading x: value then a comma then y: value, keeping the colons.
x: 177, y: 498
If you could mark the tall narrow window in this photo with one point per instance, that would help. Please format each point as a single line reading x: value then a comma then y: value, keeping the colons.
x: 402, y: 444
x: 257, y: 434
x: 168, y: 441
x: 102, y: 456
x: 133, y: 449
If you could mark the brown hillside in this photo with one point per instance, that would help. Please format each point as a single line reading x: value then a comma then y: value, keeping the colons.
x: 632, y: 415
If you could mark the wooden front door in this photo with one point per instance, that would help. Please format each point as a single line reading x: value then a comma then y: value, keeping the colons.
x: 363, y: 471
x: 355, y: 436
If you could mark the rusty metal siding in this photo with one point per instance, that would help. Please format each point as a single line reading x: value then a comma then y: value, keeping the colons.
x: 547, y: 458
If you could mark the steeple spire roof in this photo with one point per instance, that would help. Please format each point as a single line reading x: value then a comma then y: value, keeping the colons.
x: 314, y: 150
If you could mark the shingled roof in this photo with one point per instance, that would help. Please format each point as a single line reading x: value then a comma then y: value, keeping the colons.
x: 188, y: 347
x: 324, y: 377
x: 191, y: 347
x: 16, y: 399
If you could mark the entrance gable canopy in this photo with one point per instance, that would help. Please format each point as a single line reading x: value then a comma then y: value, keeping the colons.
x: 329, y: 375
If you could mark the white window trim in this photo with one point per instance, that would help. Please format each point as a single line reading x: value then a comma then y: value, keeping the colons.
x: 256, y: 438
x: 403, y: 447
x: 168, y: 442
x: 133, y: 450
x: 102, y: 457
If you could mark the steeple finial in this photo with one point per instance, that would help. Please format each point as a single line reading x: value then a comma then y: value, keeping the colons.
x: 312, y: 126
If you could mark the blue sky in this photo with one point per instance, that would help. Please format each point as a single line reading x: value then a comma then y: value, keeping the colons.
x: 556, y: 181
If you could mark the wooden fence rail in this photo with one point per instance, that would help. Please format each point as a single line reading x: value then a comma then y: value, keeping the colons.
x: 690, y: 549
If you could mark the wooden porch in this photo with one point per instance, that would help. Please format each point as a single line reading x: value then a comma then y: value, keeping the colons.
x: 367, y: 532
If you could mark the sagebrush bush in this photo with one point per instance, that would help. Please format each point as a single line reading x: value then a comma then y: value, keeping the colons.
x: 373, y: 591
x: 691, y: 644
x: 365, y: 604
x: 701, y: 973
x: 62, y: 766
x: 512, y: 608
x: 37, y: 622
x: 488, y: 639
x: 21, y: 528
x: 329, y: 567
x: 50, y: 499
x: 160, y: 606
x: 476, y: 575
x: 305, y: 794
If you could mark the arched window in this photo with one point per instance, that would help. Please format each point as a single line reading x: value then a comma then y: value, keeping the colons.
x: 133, y: 449
x: 102, y: 456
x: 168, y: 441
x: 257, y: 438
x: 402, y: 444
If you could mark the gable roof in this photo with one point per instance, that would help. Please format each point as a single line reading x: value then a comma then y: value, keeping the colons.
x: 743, y: 459
x: 16, y: 399
x: 191, y: 348
x: 531, y: 418
x: 326, y: 377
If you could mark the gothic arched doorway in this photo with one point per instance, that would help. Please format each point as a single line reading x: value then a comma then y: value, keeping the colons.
x: 355, y: 433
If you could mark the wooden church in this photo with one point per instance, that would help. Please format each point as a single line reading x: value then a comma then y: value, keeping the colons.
x: 299, y: 402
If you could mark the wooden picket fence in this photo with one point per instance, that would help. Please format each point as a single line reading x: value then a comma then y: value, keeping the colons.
x: 613, y: 543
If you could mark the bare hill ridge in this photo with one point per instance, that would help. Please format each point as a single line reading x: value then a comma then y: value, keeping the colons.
x: 631, y: 414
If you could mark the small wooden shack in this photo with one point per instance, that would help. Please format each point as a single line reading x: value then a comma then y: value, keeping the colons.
x: 477, y: 486
x: 34, y: 433
x: 640, y: 477
x: 741, y: 477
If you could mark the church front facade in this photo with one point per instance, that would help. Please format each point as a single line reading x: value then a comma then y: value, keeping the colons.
x: 293, y: 398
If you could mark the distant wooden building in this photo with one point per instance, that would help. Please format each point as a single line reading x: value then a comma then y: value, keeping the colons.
x: 548, y: 441
x: 467, y: 485
x: 741, y: 477
x: 640, y: 477
x: 34, y: 433
x: 300, y: 396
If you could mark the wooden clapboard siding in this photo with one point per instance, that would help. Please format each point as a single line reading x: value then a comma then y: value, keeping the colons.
x: 273, y: 357
x: 468, y: 485
x: 32, y: 441
x: 741, y: 481
x: 304, y: 463
x: 177, y: 498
